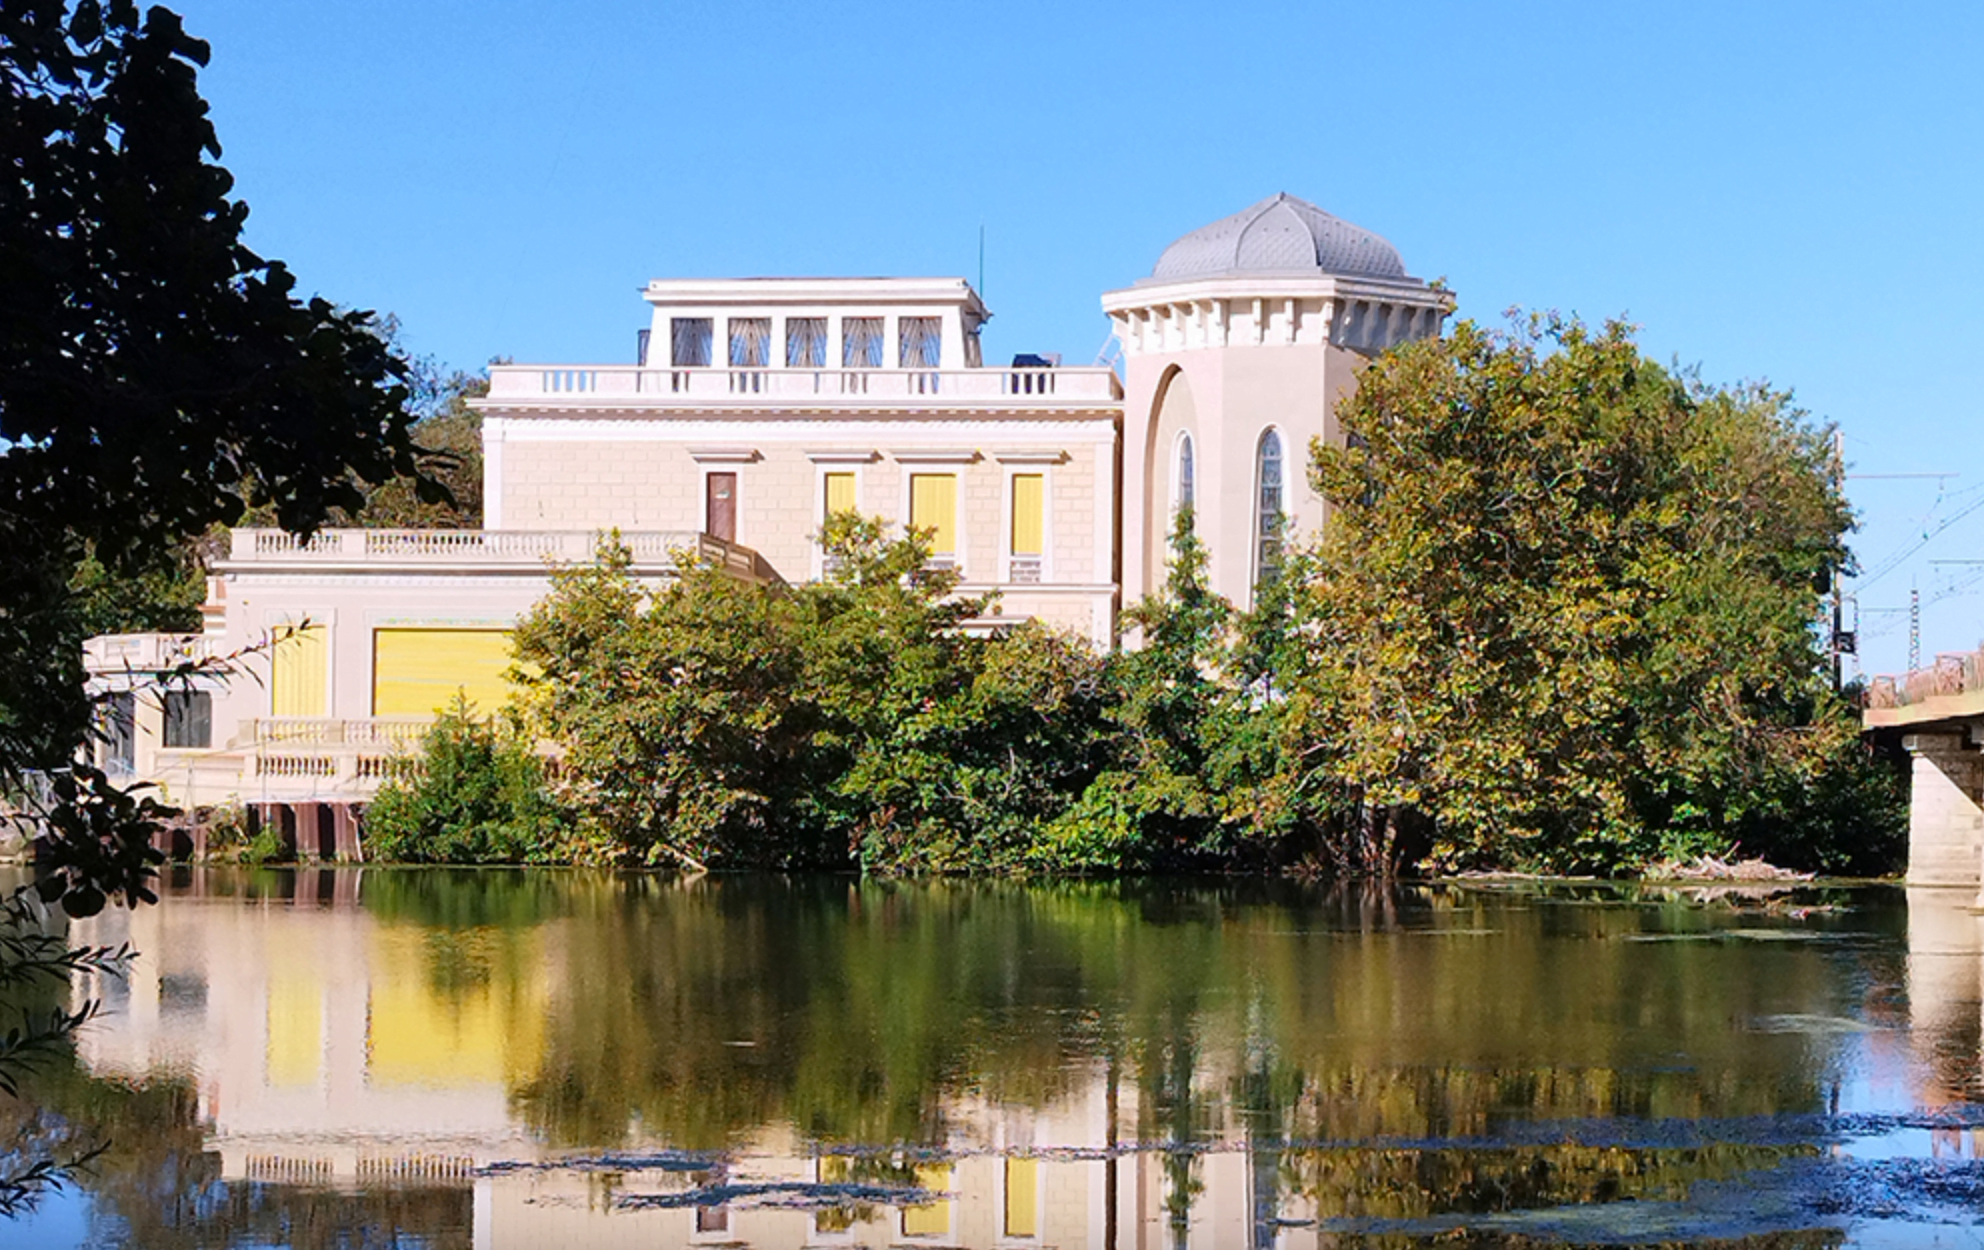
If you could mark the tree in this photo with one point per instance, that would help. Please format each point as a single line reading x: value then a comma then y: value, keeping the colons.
x: 156, y: 379
x: 1562, y: 616
x: 854, y: 719
x: 477, y: 796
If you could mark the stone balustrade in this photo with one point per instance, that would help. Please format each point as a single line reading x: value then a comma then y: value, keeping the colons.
x: 147, y: 653
x: 444, y: 549
x: 1045, y: 387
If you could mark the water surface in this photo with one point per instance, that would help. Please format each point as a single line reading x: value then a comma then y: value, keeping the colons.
x: 525, y: 1059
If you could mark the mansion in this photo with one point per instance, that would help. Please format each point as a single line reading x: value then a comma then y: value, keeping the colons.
x: 755, y: 409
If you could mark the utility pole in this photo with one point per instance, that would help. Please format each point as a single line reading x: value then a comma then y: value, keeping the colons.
x: 1838, y: 603
x: 1914, y: 629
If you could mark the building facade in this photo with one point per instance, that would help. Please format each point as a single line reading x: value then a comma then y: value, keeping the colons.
x: 756, y: 409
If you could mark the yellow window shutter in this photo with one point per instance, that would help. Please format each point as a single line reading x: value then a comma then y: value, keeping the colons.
x: 416, y: 672
x: 1029, y: 514
x: 933, y: 505
x: 299, y: 669
x: 840, y: 493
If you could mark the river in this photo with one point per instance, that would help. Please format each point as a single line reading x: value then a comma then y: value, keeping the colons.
x: 526, y: 1059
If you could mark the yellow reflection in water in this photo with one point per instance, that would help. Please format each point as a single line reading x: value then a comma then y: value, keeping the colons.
x: 465, y: 1032
x: 295, y: 1024
x: 1022, y: 1197
x: 932, y: 1219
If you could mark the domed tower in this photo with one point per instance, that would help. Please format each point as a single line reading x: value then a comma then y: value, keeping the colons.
x: 1237, y: 349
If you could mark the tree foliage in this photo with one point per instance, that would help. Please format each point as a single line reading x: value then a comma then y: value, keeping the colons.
x: 1563, y: 614
x: 717, y: 722
x: 1561, y: 619
x: 476, y: 796
x: 157, y: 378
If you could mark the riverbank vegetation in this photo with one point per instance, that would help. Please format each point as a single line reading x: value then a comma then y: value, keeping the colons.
x: 1561, y: 619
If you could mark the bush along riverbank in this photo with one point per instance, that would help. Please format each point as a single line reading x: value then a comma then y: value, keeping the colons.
x: 1561, y: 619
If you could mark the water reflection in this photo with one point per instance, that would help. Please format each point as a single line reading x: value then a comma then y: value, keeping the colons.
x: 524, y: 1059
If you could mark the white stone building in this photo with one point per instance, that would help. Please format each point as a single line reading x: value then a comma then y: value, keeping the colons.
x: 757, y: 408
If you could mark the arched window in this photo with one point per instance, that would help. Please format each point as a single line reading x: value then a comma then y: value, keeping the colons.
x: 1184, y: 484
x: 1269, y: 508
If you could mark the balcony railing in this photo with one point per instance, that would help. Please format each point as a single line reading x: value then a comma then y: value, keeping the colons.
x: 1030, y: 387
x: 388, y: 732
x: 114, y: 653
x: 529, y: 548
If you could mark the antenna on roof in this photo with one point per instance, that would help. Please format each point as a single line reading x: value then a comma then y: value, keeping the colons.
x: 981, y: 260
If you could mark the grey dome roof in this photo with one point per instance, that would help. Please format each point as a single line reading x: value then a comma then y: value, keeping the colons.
x: 1280, y: 235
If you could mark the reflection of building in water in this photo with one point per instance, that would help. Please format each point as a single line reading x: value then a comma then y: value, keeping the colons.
x: 344, y: 1047
x: 333, y: 1048
x: 323, y: 1048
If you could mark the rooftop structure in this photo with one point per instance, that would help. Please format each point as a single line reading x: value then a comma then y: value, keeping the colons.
x: 1279, y: 235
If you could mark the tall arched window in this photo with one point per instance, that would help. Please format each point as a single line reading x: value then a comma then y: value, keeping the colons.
x: 1184, y: 485
x: 1268, y: 507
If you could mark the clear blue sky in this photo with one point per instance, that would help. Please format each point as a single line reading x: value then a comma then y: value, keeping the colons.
x: 1787, y: 191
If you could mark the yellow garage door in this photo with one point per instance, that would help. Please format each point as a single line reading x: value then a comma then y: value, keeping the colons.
x: 417, y: 671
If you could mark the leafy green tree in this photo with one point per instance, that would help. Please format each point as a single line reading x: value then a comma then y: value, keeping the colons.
x: 1562, y: 616
x: 156, y: 378
x: 855, y: 719
x: 1156, y: 803
x: 478, y: 796
x: 686, y: 739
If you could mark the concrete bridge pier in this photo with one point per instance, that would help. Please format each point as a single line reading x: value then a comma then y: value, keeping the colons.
x: 1946, y: 808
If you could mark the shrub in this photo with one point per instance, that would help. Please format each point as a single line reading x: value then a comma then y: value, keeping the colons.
x: 478, y: 797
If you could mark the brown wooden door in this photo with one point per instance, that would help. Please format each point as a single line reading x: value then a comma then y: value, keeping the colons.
x: 721, y: 509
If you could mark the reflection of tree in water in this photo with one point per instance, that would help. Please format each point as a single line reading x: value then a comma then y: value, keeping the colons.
x: 857, y: 1011
x: 1475, y: 1239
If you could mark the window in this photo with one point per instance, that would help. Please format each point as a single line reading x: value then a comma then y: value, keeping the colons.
x: 1269, y: 508
x: 750, y: 342
x: 933, y: 506
x: 805, y: 342
x: 861, y: 343
x: 118, y: 718
x: 1184, y: 489
x: 1029, y: 536
x: 689, y: 340
x: 840, y: 493
x: 189, y: 719
x: 920, y: 342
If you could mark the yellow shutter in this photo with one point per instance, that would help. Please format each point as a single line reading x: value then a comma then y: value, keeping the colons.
x: 1022, y: 1197
x: 418, y: 671
x: 296, y: 684
x: 840, y: 493
x: 933, y: 505
x: 1029, y: 514
x: 932, y: 1219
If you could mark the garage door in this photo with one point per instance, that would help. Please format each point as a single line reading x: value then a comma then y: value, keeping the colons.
x: 417, y: 671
